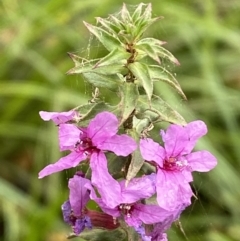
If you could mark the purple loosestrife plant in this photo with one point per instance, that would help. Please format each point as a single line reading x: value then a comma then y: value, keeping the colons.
x: 130, y: 187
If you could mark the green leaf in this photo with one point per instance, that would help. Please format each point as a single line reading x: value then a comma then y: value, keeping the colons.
x: 109, y: 42
x: 129, y: 95
x: 111, y: 82
x: 140, y: 71
x: 137, y: 13
x: 162, y: 52
x: 89, y: 67
x: 90, y: 110
x: 119, y: 56
x: 109, y: 26
x: 155, y: 46
x: 137, y: 160
x: 148, y: 50
x: 158, y: 73
x: 142, y: 26
x: 125, y: 15
x: 158, y: 110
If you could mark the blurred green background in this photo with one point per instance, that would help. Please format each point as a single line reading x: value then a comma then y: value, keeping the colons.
x: 34, y: 40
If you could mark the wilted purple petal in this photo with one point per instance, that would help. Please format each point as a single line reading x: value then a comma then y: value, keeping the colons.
x: 81, y: 223
x: 138, y: 188
x: 121, y: 145
x: 107, y: 186
x: 66, y: 162
x: 140, y: 230
x: 152, y: 151
x: 69, y: 135
x: 169, y: 184
x: 58, y: 117
x: 103, y: 126
x: 201, y: 161
x: 175, y: 139
x: 79, y: 195
x: 66, y: 211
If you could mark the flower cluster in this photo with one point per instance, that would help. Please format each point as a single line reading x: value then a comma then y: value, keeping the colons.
x: 129, y: 202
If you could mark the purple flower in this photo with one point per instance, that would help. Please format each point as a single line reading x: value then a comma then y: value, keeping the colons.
x: 128, y: 204
x: 74, y: 209
x: 175, y: 162
x: 159, y: 229
x: 59, y: 117
x: 91, y: 142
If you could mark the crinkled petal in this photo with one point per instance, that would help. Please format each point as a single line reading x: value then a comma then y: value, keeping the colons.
x: 66, y: 162
x: 79, y: 195
x: 107, y: 186
x: 58, y: 117
x: 172, y: 190
x: 66, y: 211
x: 175, y: 139
x: 69, y: 135
x: 194, y: 130
x: 138, y: 188
x: 150, y: 214
x: 201, y: 161
x: 121, y: 145
x: 111, y: 211
x: 102, y: 127
x: 152, y: 151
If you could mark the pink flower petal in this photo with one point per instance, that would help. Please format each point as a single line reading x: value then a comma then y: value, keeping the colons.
x: 103, y: 126
x: 201, y: 161
x: 111, y: 211
x: 194, y: 130
x: 152, y: 151
x: 79, y: 195
x: 121, y: 145
x: 175, y: 139
x: 172, y: 190
x: 150, y: 214
x: 58, y: 117
x: 134, y: 190
x: 69, y: 135
x: 66, y: 162
x: 107, y: 186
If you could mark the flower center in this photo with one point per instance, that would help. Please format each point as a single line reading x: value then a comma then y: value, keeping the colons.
x: 126, y: 209
x: 173, y: 164
x: 85, y: 145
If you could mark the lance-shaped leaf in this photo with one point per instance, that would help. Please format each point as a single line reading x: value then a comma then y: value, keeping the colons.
x: 90, y: 110
x: 158, y: 73
x: 125, y: 15
x: 137, y: 13
x: 148, y: 49
x: 111, y: 82
x: 76, y: 59
x: 89, y: 67
x: 109, y: 42
x: 153, y: 48
x: 143, y: 25
x: 119, y: 55
x: 162, y: 52
x: 158, y: 110
x: 109, y: 26
x: 136, y: 160
x: 129, y: 95
x: 140, y: 71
